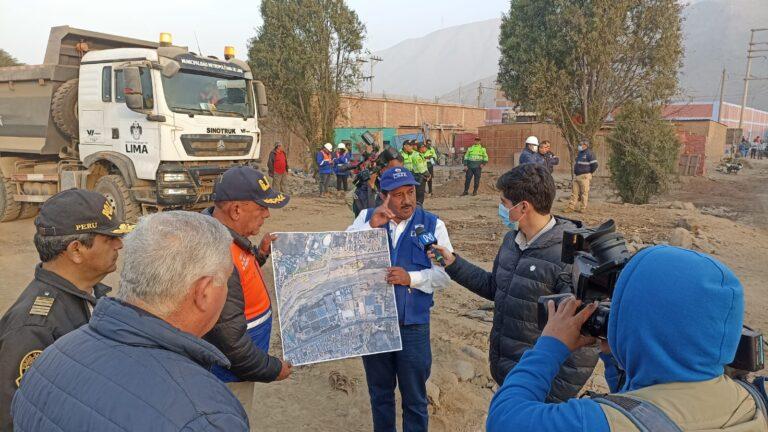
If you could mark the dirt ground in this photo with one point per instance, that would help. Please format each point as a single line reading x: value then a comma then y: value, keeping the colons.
x: 332, y: 396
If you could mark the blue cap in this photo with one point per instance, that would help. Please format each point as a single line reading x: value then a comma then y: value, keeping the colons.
x: 393, y: 178
x: 244, y: 183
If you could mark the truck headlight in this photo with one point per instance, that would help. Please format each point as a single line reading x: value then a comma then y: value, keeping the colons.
x: 175, y: 177
x: 178, y: 191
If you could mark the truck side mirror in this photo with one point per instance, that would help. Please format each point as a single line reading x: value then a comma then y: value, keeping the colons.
x: 170, y: 69
x: 261, y: 99
x: 133, y: 91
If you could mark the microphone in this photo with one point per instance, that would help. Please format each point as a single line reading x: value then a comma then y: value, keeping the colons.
x: 427, y: 240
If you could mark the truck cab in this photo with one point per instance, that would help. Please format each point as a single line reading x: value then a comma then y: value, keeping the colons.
x: 154, y: 126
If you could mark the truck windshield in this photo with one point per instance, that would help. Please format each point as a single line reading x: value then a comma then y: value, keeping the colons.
x: 208, y: 95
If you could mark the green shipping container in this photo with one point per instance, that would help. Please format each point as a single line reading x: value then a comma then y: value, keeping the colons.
x: 351, y: 136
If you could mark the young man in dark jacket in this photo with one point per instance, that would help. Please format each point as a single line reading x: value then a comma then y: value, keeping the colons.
x: 140, y: 364
x: 526, y: 267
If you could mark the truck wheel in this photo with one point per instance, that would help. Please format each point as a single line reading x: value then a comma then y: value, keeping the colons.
x: 28, y: 210
x: 9, y: 209
x: 113, y: 187
x: 64, y: 108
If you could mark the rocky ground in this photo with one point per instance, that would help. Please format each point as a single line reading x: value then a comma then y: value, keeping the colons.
x: 721, y: 214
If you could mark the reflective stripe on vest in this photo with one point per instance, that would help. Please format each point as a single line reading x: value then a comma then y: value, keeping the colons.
x: 254, y: 291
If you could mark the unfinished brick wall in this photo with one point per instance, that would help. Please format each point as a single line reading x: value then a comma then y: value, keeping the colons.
x: 376, y: 112
x: 692, y: 145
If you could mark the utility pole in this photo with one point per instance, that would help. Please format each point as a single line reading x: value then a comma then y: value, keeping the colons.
x: 372, y: 60
x: 480, y: 88
x: 747, y: 75
x: 720, y: 106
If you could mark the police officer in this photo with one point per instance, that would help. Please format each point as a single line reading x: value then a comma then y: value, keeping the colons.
x: 77, y: 238
x: 430, y: 155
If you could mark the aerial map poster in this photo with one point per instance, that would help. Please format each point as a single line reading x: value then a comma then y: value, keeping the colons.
x: 332, y: 297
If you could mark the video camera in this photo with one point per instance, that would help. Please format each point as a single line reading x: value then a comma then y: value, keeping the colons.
x: 597, y: 256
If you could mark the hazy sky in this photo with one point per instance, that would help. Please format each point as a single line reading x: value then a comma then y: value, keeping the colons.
x: 25, y: 24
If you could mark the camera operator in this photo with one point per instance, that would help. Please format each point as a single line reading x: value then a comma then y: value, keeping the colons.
x: 675, y: 323
x: 527, y: 266
x: 367, y: 178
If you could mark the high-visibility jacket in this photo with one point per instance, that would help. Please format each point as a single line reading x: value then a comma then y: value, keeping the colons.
x: 475, y: 156
x: 243, y: 329
x: 407, y: 162
x: 419, y: 163
x: 430, y: 155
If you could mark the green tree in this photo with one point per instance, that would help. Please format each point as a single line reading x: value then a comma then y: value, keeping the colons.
x: 577, y: 61
x: 7, y: 59
x: 306, y: 53
x: 644, y: 152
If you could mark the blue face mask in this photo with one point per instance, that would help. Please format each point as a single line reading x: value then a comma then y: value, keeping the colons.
x: 504, y: 215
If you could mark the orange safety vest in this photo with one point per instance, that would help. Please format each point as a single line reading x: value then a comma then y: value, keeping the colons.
x: 255, y: 293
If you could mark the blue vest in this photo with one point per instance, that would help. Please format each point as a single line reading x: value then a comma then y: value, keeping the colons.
x: 412, y: 305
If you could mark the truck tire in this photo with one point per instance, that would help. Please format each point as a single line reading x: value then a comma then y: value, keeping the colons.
x: 9, y: 209
x: 113, y: 187
x: 64, y: 108
x: 28, y: 210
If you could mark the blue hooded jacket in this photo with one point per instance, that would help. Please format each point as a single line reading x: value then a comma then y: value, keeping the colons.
x: 126, y: 370
x: 676, y: 316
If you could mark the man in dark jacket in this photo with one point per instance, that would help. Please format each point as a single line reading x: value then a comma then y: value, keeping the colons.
x: 77, y: 238
x: 526, y: 267
x: 585, y: 166
x: 139, y: 364
x: 530, y: 152
x: 242, y: 200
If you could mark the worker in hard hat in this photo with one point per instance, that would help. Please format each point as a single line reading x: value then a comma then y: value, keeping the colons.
x: 530, y: 153
x: 341, y: 167
x: 324, y: 161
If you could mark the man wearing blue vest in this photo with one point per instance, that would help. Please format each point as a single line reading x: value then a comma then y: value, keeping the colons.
x: 415, y: 280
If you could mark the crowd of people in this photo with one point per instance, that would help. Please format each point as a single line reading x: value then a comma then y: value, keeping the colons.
x: 182, y: 343
x: 757, y: 149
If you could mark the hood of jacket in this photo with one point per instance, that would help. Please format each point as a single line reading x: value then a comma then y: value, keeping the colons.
x: 676, y: 316
x: 132, y: 326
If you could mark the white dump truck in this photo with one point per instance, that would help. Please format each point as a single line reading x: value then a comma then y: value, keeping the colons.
x: 149, y: 125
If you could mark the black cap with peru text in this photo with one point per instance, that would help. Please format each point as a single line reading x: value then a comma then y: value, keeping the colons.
x: 78, y: 211
x: 244, y: 183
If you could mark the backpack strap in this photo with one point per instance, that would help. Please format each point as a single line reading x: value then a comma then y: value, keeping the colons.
x: 646, y: 416
x: 757, y: 396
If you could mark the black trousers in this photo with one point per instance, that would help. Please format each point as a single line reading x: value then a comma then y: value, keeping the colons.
x: 341, y: 180
x: 420, y: 189
x: 472, y: 172
x: 431, y: 175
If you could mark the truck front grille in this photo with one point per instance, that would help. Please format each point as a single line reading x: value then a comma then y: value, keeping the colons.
x: 216, y: 145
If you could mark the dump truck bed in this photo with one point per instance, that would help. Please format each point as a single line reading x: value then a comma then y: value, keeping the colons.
x: 26, y: 92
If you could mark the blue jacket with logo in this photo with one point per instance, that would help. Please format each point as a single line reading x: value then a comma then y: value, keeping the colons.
x: 324, y: 162
x: 340, y: 160
x: 127, y: 370
x: 412, y: 305
x: 585, y: 163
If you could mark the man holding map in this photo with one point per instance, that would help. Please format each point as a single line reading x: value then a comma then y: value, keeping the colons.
x: 415, y: 279
x: 242, y: 199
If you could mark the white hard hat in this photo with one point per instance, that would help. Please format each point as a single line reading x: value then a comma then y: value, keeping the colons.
x: 328, y: 146
x: 341, y: 146
x: 532, y: 140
